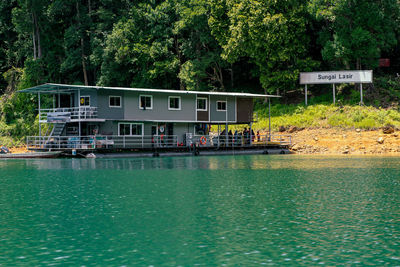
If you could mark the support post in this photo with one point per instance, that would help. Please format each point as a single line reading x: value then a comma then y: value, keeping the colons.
x: 226, y: 123
x: 250, y: 133
x: 305, y: 94
x: 219, y: 131
x: 40, y: 127
x: 79, y: 112
x: 334, y: 94
x: 269, y: 119
x: 361, y: 95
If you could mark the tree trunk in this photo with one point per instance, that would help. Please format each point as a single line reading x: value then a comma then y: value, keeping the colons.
x: 90, y: 7
x: 179, y: 54
x: 34, y: 45
x: 34, y: 37
x: 85, y: 78
x: 39, y: 48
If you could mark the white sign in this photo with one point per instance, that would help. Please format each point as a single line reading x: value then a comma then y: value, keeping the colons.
x: 349, y: 76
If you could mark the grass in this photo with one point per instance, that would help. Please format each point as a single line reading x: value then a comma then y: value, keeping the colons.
x: 324, y: 115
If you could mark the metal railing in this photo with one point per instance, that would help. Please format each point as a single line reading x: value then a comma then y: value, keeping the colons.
x: 152, y: 141
x: 67, y: 114
x: 100, y: 142
x: 237, y: 140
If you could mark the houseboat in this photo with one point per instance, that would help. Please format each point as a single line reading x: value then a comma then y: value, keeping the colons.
x: 110, y: 119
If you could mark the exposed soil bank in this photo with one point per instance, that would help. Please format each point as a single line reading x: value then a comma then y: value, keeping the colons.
x: 345, y: 141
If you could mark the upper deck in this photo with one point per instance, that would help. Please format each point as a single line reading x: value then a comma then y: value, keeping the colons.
x: 72, y: 103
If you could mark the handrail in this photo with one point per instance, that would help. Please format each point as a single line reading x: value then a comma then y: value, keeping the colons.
x: 238, y: 140
x: 153, y: 141
x: 101, y: 141
x: 74, y: 113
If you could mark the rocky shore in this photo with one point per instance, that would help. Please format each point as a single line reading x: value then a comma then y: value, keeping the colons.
x: 344, y: 141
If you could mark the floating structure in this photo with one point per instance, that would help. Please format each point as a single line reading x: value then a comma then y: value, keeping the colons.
x: 85, y: 119
x: 47, y: 154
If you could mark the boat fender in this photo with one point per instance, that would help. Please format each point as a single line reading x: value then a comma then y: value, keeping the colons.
x: 196, y: 153
x: 156, y: 154
x: 91, y: 156
x: 265, y: 152
x: 282, y: 152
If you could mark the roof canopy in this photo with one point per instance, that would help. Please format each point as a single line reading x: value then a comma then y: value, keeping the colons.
x: 52, y: 88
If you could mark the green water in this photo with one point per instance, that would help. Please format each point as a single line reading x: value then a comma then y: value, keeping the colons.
x: 201, y: 211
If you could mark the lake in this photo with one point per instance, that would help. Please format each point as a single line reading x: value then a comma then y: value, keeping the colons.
x: 201, y: 211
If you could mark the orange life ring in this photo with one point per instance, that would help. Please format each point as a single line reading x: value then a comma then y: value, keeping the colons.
x: 203, y: 140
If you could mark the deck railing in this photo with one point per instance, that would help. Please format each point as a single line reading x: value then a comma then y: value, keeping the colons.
x: 67, y: 114
x: 238, y: 140
x: 100, y: 142
x: 151, y: 141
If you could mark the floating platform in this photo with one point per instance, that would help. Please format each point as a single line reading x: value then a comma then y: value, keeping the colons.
x: 49, y: 154
x: 186, y: 152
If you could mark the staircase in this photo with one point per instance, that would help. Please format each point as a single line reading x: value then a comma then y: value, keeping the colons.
x: 57, y: 129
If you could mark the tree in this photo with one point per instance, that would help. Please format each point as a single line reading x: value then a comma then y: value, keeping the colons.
x: 272, y: 34
x: 201, y: 66
x: 360, y: 30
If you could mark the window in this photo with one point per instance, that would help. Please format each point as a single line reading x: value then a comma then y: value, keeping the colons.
x: 146, y: 102
x: 84, y: 101
x: 115, y: 101
x: 131, y: 129
x: 174, y: 103
x: 221, y: 105
x: 202, y: 104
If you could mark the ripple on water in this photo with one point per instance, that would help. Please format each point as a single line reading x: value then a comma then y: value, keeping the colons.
x: 245, y: 210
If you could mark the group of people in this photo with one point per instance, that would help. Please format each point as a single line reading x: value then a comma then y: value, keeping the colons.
x: 239, y: 138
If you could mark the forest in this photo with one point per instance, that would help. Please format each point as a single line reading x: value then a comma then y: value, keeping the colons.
x: 257, y: 46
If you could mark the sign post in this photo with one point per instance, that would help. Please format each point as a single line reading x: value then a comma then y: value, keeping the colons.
x: 334, y: 77
x: 305, y: 93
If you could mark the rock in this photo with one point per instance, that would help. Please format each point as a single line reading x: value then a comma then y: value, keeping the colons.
x: 316, y: 138
x: 358, y: 130
x: 282, y: 129
x: 346, y: 151
x: 295, y: 147
x: 292, y: 129
x: 395, y: 135
x: 389, y: 129
x: 344, y: 136
x: 380, y: 140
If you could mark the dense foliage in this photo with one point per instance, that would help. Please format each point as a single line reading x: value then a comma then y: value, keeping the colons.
x: 229, y: 45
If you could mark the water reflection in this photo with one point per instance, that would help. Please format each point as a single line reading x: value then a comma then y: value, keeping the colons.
x: 211, y: 163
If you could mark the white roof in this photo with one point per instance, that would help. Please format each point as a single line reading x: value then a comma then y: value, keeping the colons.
x: 53, y: 87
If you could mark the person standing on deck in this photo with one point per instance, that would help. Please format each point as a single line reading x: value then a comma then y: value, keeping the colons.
x: 235, y: 137
x: 222, y: 138
x: 230, y: 137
